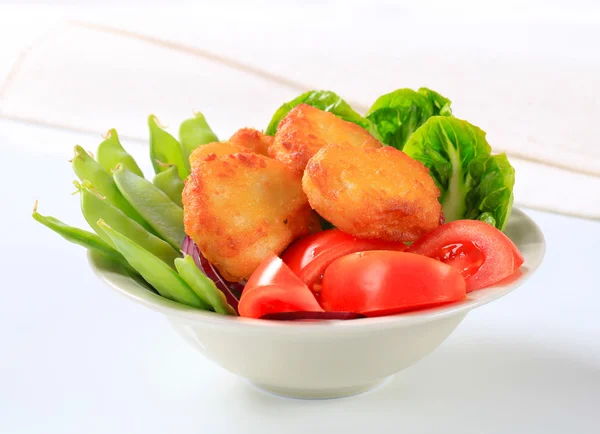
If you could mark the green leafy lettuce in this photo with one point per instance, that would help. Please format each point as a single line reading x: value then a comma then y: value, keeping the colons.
x: 473, y: 183
x: 324, y: 100
x: 398, y: 114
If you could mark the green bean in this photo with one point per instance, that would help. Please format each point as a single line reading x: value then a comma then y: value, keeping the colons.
x: 166, y: 149
x: 193, y: 133
x: 86, y: 168
x: 202, y: 285
x: 166, y: 281
x: 89, y: 240
x: 170, y: 183
x: 111, y: 152
x: 165, y: 217
x: 95, y: 208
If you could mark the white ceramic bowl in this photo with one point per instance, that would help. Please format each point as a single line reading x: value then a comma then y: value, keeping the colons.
x: 326, y: 359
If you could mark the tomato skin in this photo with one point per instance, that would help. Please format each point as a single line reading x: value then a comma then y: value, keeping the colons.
x: 311, y: 274
x: 272, y: 288
x: 303, y: 251
x: 377, y: 283
x: 273, y: 271
x: 500, y: 255
x: 310, y: 256
x: 263, y: 300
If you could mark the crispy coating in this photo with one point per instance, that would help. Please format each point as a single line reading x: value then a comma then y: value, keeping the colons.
x: 373, y: 193
x: 220, y: 149
x: 244, y: 140
x: 306, y: 129
x: 239, y: 208
x: 252, y: 139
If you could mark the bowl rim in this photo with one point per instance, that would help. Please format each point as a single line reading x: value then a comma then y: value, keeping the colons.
x: 521, y: 229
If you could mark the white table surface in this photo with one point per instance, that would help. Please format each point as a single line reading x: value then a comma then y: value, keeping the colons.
x: 77, y: 357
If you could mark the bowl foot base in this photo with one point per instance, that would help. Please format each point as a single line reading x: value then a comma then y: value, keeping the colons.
x: 338, y: 392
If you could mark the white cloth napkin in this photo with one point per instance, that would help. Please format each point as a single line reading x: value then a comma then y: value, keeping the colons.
x: 539, y: 106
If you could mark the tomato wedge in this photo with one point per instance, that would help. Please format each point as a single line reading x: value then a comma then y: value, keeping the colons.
x: 482, y: 253
x: 264, y: 300
x: 311, y: 255
x: 273, y: 288
x: 303, y: 251
x: 273, y: 271
x: 378, y: 283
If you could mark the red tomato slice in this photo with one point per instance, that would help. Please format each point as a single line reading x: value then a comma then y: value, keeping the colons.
x: 264, y: 300
x: 380, y: 283
x: 482, y: 253
x: 272, y: 288
x: 303, y: 251
x: 273, y: 271
x: 312, y: 274
x: 311, y: 255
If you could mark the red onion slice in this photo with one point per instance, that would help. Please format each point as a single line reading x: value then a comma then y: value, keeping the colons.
x: 320, y: 316
x: 232, y: 290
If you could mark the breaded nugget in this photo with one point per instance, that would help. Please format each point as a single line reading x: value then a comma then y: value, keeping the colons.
x: 244, y: 140
x: 252, y: 139
x: 239, y: 208
x: 372, y: 193
x: 306, y: 129
x: 220, y: 149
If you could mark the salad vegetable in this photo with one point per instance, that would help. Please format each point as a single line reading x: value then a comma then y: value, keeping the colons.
x: 163, y: 278
x: 237, y: 227
x: 482, y: 254
x: 309, y: 257
x: 398, y: 114
x: 472, y: 182
x: 95, y: 208
x: 193, y: 133
x: 84, y: 238
x: 272, y: 288
x: 202, y: 285
x: 111, y: 152
x: 170, y: 183
x: 165, y: 149
x: 88, y: 169
x: 161, y: 213
x: 380, y: 283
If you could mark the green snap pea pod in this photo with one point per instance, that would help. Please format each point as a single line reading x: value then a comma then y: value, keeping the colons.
x: 164, y: 215
x: 202, y: 285
x: 170, y: 183
x: 111, y: 152
x: 84, y: 238
x: 95, y: 208
x: 166, y: 149
x: 194, y: 132
x: 164, y: 279
x: 86, y: 168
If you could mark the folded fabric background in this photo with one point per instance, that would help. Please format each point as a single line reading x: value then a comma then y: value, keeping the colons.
x: 89, y: 73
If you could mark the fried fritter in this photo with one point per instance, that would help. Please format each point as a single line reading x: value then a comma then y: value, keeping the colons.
x: 244, y: 140
x: 372, y: 193
x: 306, y: 129
x: 239, y: 208
x: 252, y: 139
x: 220, y: 149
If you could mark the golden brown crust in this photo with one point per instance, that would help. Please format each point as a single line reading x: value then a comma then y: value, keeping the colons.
x: 372, y: 193
x: 218, y: 149
x: 306, y: 129
x: 252, y: 139
x: 239, y: 208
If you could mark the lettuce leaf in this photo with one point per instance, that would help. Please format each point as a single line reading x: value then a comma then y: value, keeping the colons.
x: 473, y: 183
x: 398, y: 114
x: 493, y: 194
x: 324, y: 100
